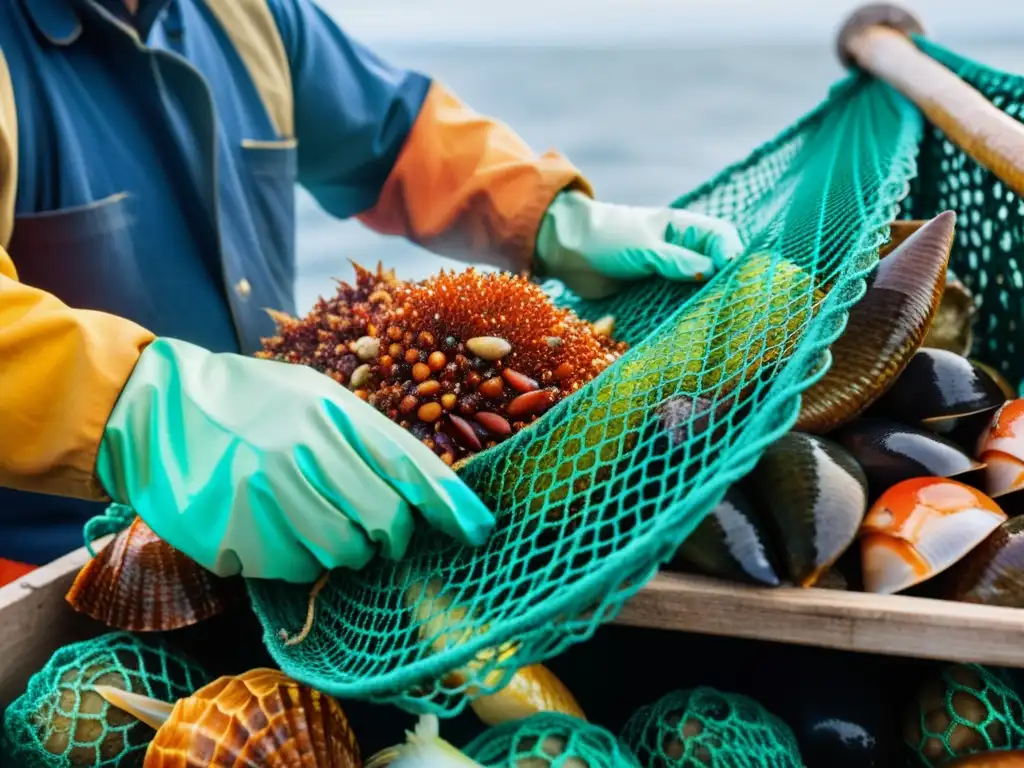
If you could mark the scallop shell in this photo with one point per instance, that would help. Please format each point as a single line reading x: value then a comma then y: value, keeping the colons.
x: 140, y: 583
x: 919, y: 528
x: 884, y: 329
x: 261, y: 717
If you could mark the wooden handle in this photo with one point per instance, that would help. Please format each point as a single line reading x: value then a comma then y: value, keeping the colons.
x: 876, y: 40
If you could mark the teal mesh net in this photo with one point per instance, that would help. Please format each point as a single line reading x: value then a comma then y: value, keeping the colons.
x: 961, y: 710
x: 550, y: 740
x: 60, y: 721
x: 705, y: 728
x: 601, y: 491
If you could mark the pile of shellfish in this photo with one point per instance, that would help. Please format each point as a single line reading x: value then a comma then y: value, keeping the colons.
x: 906, y: 451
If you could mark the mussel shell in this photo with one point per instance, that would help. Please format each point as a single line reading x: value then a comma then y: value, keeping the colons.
x: 1007, y: 389
x: 951, y: 329
x: 140, y: 583
x: 883, y: 330
x: 921, y: 527
x: 993, y: 572
x: 938, y: 384
x: 816, y: 495
x: 965, y: 431
x: 890, y: 452
x: 261, y: 717
x: 732, y: 542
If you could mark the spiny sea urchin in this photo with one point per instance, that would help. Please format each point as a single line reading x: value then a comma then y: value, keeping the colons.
x: 462, y: 360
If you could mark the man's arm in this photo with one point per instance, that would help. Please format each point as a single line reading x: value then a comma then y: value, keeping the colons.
x: 403, y: 154
x: 61, y: 369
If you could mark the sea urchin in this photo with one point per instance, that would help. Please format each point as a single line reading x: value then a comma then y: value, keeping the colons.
x: 462, y: 360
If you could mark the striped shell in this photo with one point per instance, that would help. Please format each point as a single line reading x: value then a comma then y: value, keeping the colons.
x: 261, y: 717
x: 139, y: 583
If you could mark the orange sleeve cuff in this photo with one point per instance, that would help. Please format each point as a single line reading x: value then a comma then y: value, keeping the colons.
x: 63, y: 370
x: 468, y: 187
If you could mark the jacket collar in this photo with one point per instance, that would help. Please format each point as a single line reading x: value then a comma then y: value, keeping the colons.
x: 56, y: 20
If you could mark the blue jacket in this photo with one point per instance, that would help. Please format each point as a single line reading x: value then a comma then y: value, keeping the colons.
x: 156, y: 163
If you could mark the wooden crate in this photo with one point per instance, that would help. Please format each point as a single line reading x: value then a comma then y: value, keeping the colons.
x: 35, y: 620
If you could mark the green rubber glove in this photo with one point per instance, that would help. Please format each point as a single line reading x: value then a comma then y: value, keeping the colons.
x: 595, y: 247
x: 271, y: 470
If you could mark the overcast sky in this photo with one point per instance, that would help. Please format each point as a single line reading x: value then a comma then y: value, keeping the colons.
x: 636, y: 21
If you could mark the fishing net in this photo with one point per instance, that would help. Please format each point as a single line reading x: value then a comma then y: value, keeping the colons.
x: 550, y: 740
x: 704, y: 728
x: 988, y: 256
x: 61, y: 721
x: 606, y: 486
x: 964, y: 709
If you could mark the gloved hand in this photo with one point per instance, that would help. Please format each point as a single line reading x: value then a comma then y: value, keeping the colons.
x: 594, y: 247
x: 269, y: 469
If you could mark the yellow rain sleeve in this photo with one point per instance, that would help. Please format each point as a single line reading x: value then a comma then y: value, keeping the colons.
x: 61, y: 369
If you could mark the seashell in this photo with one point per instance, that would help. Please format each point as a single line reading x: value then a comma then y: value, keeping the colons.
x: 884, y: 329
x: 1004, y: 386
x: 494, y: 423
x: 261, y: 717
x: 951, y: 329
x: 732, y: 543
x: 899, y: 231
x: 489, y: 348
x: 519, y: 382
x: 919, y: 528
x: 140, y: 583
x: 531, y: 403
x: 960, y: 710
x: 604, y: 326
x: 1001, y: 447
x: 532, y: 689
x: 816, y: 496
x: 360, y: 376
x: 890, y: 453
x: 993, y: 572
x: 938, y: 385
x: 424, y: 748
x: 367, y: 348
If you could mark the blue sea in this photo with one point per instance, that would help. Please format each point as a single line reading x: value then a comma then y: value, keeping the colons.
x: 645, y: 124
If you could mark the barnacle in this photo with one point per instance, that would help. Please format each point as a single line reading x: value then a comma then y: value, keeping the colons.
x: 463, y: 359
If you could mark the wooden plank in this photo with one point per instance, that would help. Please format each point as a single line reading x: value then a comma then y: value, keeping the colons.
x: 35, y: 620
x: 854, y: 621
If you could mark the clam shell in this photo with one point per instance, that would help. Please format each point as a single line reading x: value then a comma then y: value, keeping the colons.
x: 1001, y: 447
x: 733, y: 543
x: 938, y: 385
x: 532, y: 689
x: 884, y: 328
x: 261, y: 717
x: 919, y: 528
x: 993, y: 572
x: 951, y: 329
x: 140, y: 583
x: 890, y: 452
x: 816, y: 496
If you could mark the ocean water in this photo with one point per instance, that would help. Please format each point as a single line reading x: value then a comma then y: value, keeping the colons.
x: 644, y: 124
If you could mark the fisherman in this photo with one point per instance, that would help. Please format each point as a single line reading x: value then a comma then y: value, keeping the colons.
x: 149, y: 151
